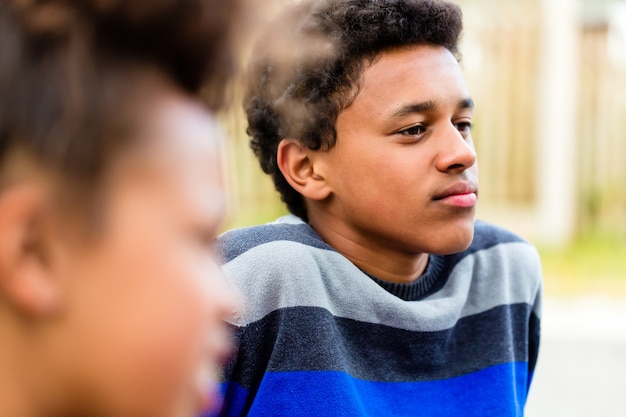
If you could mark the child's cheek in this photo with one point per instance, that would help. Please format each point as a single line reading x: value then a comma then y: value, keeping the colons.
x: 167, y: 363
x: 169, y: 327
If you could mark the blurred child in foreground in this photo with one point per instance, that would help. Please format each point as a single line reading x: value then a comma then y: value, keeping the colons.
x: 111, y: 193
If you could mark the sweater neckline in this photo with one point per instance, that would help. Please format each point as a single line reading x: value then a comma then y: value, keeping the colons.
x: 419, y: 288
x: 413, y: 291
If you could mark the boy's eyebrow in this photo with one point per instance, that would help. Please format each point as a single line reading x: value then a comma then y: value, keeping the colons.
x: 413, y: 108
x: 466, y: 103
x: 427, y: 106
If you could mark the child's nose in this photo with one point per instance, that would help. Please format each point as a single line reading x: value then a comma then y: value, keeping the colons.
x: 224, y: 305
x: 457, y: 153
x: 223, y: 299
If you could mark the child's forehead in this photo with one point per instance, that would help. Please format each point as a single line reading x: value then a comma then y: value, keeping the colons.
x: 428, y: 62
x: 173, y: 122
x: 415, y: 74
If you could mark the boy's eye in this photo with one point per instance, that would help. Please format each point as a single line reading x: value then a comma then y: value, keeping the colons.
x: 413, y: 131
x: 464, y: 127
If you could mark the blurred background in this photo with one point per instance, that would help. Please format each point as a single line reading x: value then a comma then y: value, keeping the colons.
x: 549, y: 81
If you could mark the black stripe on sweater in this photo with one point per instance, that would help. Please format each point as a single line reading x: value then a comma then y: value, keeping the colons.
x: 310, y: 338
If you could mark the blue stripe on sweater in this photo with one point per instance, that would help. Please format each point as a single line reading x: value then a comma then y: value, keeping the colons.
x: 498, y: 391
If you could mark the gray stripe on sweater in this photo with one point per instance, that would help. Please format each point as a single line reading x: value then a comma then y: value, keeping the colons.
x: 507, y: 273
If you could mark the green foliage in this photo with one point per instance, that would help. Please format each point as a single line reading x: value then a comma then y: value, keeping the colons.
x: 595, y: 263
x: 256, y: 213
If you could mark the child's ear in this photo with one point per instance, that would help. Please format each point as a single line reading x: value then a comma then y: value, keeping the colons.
x: 26, y: 281
x: 298, y: 167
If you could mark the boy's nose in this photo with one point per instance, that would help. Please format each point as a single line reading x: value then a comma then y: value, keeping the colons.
x: 456, y: 153
x: 224, y: 305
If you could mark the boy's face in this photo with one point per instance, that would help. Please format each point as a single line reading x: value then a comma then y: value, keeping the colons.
x: 403, y: 171
x: 145, y: 300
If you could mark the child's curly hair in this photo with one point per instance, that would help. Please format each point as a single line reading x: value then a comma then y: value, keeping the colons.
x: 70, y: 68
x: 306, y: 68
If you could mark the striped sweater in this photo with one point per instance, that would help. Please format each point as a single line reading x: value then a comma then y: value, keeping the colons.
x: 319, y: 337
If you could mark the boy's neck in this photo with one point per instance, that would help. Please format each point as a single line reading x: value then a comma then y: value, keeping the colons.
x: 383, y: 263
x: 26, y: 387
x: 13, y: 397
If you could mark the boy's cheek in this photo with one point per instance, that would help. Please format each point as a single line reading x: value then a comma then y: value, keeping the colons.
x: 158, y: 364
x: 142, y: 332
x: 145, y: 303
x: 176, y: 323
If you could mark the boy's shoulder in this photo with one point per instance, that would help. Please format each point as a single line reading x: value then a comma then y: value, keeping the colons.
x: 498, y: 252
x: 487, y: 235
x: 290, y: 228
x: 498, y: 244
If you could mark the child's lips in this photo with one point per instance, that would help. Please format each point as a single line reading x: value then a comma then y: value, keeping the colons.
x: 219, y: 352
x: 459, y: 194
x: 205, y: 388
x: 460, y: 200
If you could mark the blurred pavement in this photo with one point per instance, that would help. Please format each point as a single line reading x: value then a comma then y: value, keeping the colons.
x: 582, y: 359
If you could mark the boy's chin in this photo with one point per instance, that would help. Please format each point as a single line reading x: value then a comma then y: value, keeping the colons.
x: 455, y: 242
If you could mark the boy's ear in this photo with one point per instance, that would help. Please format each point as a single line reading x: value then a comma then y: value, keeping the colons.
x: 26, y: 281
x: 298, y: 167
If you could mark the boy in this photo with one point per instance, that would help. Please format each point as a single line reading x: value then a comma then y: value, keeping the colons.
x: 380, y: 295
x: 110, y: 196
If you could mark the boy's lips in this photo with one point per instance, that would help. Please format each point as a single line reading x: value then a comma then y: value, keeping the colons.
x: 205, y: 386
x: 459, y: 194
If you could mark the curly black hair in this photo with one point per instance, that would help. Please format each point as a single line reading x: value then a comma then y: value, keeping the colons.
x: 305, y: 69
x: 71, y: 72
